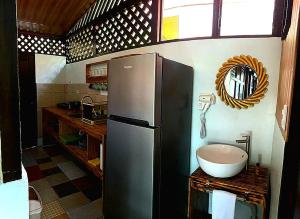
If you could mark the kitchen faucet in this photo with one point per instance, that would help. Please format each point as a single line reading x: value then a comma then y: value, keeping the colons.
x: 247, y: 142
x: 85, y: 97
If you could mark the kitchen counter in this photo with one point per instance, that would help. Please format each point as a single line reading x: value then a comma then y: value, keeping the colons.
x: 97, y: 131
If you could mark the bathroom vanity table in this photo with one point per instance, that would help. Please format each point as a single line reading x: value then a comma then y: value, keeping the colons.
x: 251, y: 186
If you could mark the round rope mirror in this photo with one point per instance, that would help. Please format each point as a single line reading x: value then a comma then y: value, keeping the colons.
x: 242, y: 82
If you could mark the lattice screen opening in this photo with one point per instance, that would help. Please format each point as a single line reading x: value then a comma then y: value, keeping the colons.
x: 81, y: 45
x: 41, y: 45
x: 99, y: 8
x: 126, y: 29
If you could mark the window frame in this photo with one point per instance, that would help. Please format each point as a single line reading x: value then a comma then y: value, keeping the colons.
x: 277, y: 26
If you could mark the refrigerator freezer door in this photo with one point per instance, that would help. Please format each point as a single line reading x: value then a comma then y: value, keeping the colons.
x: 132, y: 87
x: 129, y: 173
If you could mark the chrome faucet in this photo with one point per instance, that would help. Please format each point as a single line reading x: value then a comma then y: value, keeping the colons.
x: 247, y: 142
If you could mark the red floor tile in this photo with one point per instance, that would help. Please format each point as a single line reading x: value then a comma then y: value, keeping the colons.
x: 65, y: 189
x: 85, y: 182
x: 34, y: 173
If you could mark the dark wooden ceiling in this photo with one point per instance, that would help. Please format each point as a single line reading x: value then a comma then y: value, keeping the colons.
x: 50, y: 17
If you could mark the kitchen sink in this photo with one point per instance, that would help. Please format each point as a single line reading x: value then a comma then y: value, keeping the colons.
x: 75, y: 115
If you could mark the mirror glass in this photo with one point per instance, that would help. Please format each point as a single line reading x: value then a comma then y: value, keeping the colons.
x: 241, y: 82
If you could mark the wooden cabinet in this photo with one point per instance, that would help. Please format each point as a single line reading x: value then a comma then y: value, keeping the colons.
x: 97, y: 72
x: 57, y: 123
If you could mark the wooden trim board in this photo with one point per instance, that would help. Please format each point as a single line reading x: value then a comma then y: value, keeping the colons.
x: 287, y: 69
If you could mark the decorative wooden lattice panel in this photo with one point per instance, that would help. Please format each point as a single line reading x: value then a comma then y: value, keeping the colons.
x: 99, y: 8
x: 81, y: 46
x: 129, y: 27
x: 41, y: 45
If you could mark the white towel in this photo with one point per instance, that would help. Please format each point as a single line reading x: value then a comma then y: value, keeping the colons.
x: 223, y: 205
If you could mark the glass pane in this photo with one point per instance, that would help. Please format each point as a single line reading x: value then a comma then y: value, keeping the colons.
x: 247, y: 17
x: 186, y: 18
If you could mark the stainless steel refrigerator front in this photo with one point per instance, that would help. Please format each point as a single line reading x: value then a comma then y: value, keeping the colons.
x: 130, y: 174
x: 132, y: 87
x: 130, y: 154
x: 149, y: 135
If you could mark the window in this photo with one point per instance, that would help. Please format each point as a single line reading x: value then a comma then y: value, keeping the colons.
x: 247, y: 17
x: 187, y: 18
x: 195, y: 18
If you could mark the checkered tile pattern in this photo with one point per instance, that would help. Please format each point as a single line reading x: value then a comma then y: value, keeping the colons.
x: 64, y: 185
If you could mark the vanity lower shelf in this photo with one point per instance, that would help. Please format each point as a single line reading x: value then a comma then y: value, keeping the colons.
x: 251, y: 186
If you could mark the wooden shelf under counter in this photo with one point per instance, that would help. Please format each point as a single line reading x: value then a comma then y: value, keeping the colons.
x: 58, y: 121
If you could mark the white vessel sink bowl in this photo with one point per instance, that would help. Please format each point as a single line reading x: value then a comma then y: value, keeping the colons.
x: 222, y: 161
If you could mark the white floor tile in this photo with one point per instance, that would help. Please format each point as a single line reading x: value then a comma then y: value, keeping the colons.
x: 71, y: 170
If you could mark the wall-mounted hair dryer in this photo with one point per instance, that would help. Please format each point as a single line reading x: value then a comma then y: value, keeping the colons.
x: 205, y: 101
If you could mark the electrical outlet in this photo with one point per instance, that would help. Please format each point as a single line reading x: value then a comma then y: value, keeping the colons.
x: 284, y: 113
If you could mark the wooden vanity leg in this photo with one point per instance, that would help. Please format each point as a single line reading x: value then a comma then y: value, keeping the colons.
x: 189, y: 201
x: 264, y: 210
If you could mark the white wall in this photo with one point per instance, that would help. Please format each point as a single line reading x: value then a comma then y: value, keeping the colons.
x: 50, y: 69
x: 276, y: 169
x: 78, y: 77
x: 224, y: 124
x: 14, y: 198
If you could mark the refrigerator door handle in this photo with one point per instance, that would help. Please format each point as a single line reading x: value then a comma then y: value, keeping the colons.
x: 130, y: 121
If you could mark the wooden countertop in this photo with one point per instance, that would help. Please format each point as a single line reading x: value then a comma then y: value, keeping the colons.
x: 98, y: 131
x: 255, y: 179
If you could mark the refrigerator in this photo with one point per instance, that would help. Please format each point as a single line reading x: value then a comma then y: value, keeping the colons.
x: 147, y: 156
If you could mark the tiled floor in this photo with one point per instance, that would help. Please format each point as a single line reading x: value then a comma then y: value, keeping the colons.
x: 67, y: 190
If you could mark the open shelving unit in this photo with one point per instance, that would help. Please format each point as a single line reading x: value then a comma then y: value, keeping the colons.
x: 96, y: 72
x: 57, y: 123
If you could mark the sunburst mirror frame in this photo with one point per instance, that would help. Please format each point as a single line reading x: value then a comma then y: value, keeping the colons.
x: 260, y: 91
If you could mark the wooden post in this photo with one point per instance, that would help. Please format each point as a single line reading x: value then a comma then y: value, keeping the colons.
x: 156, y: 21
x: 9, y: 93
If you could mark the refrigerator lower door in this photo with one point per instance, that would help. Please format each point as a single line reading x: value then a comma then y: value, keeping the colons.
x: 129, y: 171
